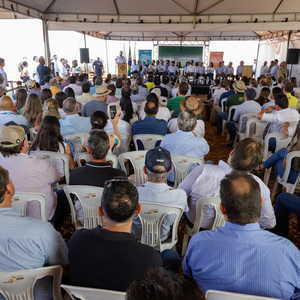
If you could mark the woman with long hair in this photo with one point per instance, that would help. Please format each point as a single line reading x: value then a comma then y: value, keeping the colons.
x: 50, y: 109
x: 20, y: 99
x: 45, y: 94
x: 49, y: 138
x: 279, y: 158
x: 119, y: 85
x: 210, y: 70
x: 263, y: 96
x: 32, y: 108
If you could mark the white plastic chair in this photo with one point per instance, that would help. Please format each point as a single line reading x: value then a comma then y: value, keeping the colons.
x: 223, y: 102
x: 148, y: 140
x: 282, y: 141
x: 231, y: 111
x: 290, y: 187
x: 241, y: 135
x: 255, y: 128
x: 20, y: 200
x: 90, y: 200
x: 182, y: 166
x: 220, y: 295
x: 76, y: 139
x: 137, y: 159
x: 18, y: 285
x: 85, y: 156
x: 219, y: 219
x: 92, y: 294
x: 151, y: 217
x: 52, y: 157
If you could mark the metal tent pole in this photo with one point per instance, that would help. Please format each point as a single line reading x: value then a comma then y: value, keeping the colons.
x: 46, y: 43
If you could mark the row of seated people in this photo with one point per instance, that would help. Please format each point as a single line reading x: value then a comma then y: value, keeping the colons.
x: 189, y: 142
x: 109, y: 257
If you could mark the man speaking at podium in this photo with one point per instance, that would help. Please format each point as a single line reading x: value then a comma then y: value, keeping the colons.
x: 120, y: 59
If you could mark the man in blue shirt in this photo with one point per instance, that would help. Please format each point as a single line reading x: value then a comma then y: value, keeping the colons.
x: 150, y: 125
x: 241, y: 257
x: 98, y: 67
x: 42, y: 70
x: 239, y: 70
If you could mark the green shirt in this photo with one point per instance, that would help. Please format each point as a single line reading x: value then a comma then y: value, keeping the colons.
x: 235, y: 99
x: 174, y: 103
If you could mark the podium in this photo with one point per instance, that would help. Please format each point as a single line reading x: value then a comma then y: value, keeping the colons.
x: 122, y: 69
x: 247, y: 71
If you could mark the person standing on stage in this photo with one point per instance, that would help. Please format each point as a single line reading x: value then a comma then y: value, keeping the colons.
x: 120, y: 59
x: 98, y: 66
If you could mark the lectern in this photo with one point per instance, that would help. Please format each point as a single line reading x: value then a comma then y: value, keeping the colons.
x: 247, y: 71
x: 122, y: 69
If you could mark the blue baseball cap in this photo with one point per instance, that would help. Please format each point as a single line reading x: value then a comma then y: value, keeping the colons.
x: 158, y: 156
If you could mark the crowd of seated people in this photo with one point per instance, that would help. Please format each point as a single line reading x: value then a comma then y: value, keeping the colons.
x: 244, y: 256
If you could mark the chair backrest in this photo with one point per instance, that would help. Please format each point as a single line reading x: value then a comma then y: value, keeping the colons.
x: 51, y: 157
x: 92, y: 294
x: 85, y: 156
x: 148, y: 140
x: 289, y: 160
x: 223, y: 102
x: 90, y: 200
x: 255, y: 128
x: 137, y: 159
x: 76, y: 139
x: 213, y: 89
x: 18, y: 285
x: 219, y: 219
x: 182, y: 165
x: 181, y: 71
x: 163, y: 101
x: 231, y: 111
x: 246, y: 116
x: 281, y: 142
x: 152, y: 216
x: 219, y: 295
x: 20, y: 200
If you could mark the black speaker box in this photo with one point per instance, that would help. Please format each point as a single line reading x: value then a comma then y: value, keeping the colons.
x: 292, y: 56
x: 84, y: 55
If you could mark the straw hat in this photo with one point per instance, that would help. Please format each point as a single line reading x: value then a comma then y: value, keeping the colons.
x: 239, y: 86
x: 192, y: 104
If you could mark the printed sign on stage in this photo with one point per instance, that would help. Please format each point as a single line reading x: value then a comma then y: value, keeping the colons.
x: 216, y: 57
x: 145, y: 55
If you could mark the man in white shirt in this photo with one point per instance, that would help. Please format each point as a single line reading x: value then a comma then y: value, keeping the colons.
x: 158, y: 165
x: 191, y: 70
x: 8, y: 113
x: 62, y: 69
x: 34, y: 65
x: 282, y: 114
x: 204, y: 181
x: 135, y: 69
x: 55, y: 65
x: 248, y: 106
x: 76, y: 88
x: 254, y: 67
x: 264, y: 69
x: 120, y: 59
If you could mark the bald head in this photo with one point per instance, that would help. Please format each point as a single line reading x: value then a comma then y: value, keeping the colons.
x: 6, y: 103
x: 241, y: 198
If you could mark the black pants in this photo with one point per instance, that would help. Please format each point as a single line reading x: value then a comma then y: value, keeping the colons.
x: 62, y: 210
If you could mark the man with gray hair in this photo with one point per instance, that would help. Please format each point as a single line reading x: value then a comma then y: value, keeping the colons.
x: 54, y: 86
x: 135, y: 94
x: 97, y: 170
x: 185, y: 141
x: 158, y: 165
x: 73, y: 123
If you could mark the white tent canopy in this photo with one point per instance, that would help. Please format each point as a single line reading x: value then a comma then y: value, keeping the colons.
x: 160, y: 20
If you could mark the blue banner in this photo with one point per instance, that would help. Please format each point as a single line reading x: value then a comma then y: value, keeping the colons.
x: 145, y: 55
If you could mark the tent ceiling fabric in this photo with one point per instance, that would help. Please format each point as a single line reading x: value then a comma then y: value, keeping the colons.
x: 157, y: 19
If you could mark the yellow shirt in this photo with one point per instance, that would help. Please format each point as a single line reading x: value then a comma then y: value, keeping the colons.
x: 55, y: 90
x: 293, y: 101
x: 149, y: 85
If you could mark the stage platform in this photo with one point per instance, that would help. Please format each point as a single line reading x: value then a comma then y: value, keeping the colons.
x: 200, y: 89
